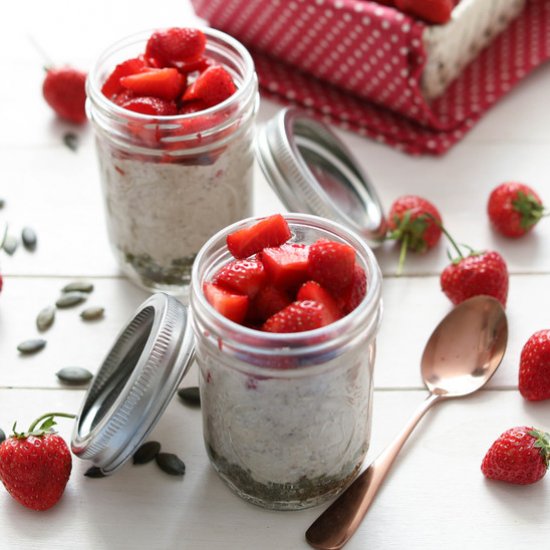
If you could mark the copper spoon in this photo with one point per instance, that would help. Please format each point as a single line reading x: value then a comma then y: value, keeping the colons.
x: 461, y: 355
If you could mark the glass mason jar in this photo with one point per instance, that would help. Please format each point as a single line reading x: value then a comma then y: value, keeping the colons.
x: 171, y: 182
x: 286, y: 417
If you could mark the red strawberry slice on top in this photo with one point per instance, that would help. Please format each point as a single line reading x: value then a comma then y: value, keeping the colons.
x: 331, y: 264
x: 163, y: 83
x: 271, y: 231
x: 314, y: 291
x: 298, y: 317
x: 350, y: 298
x: 176, y: 44
x: 230, y: 305
x: 153, y: 106
x: 211, y: 87
x: 286, y: 265
x: 242, y: 276
x: 112, y: 85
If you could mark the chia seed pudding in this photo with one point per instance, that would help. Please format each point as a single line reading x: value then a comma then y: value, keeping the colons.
x: 286, y: 417
x: 174, y: 171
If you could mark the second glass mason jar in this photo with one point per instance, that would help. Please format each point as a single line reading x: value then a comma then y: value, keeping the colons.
x: 171, y: 182
x: 286, y: 417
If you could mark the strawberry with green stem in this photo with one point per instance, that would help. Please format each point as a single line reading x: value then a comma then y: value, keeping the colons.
x: 35, y: 465
x: 415, y: 223
x: 478, y: 273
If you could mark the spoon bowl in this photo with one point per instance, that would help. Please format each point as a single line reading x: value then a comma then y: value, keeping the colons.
x: 460, y: 357
x: 466, y: 348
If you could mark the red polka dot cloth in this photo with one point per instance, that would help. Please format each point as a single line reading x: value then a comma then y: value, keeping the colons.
x: 358, y: 64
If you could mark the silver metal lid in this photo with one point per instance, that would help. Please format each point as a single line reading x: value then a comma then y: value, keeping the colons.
x: 313, y: 172
x: 134, y: 384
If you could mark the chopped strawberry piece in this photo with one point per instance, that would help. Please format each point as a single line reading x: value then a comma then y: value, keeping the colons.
x: 153, y: 106
x: 331, y: 264
x: 211, y: 87
x: 230, y: 305
x: 350, y: 298
x: 271, y: 231
x: 286, y: 265
x: 112, y: 85
x: 298, y: 317
x: 267, y: 302
x: 242, y: 276
x: 176, y: 44
x: 314, y: 291
x: 162, y: 83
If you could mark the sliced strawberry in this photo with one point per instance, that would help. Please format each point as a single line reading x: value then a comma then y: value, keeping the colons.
x: 153, y: 106
x: 314, y: 291
x: 162, y: 83
x: 176, y: 44
x: 230, y: 305
x: 112, y: 85
x: 242, y: 276
x: 350, y: 298
x: 271, y: 231
x: 331, y: 264
x: 211, y: 87
x: 286, y: 265
x: 267, y: 302
x: 298, y: 317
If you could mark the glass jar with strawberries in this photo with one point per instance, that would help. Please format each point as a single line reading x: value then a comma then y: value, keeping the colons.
x: 285, y: 312
x: 173, y: 115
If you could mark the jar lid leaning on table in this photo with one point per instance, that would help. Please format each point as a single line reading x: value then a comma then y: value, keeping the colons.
x: 312, y: 172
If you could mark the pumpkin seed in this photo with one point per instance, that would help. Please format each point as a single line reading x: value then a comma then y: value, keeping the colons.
x: 10, y: 244
x: 45, y: 318
x: 80, y: 286
x: 31, y: 346
x: 170, y: 464
x: 2, y: 435
x: 74, y: 376
x: 70, y: 299
x: 70, y: 139
x: 28, y: 236
x: 147, y: 452
x: 94, y: 472
x: 190, y: 396
x: 92, y: 313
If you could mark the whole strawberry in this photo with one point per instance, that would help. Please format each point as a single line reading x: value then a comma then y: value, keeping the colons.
x: 476, y: 274
x: 415, y: 223
x: 520, y: 455
x: 64, y: 89
x: 514, y: 209
x: 35, y: 466
x: 534, y: 367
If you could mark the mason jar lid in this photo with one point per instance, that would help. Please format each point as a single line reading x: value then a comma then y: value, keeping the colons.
x: 313, y: 172
x: 134, y: 384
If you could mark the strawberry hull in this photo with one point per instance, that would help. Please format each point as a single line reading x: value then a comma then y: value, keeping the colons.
x: 286, y: 416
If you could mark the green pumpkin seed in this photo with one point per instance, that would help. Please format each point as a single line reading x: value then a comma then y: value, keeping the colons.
x: 10, y: 244
x: 2, y: 435
x: 70, y: 139
x: 28, y: 236
x: 74, y: 376
x: 31, y: 346
x: 94, y: 472
x: 190, y: 396
x: 80, y: 286
x: 70, y: 299
x: 92, y: 313
x: 147, y: 452
x: 170, y: 464
x: 45, y: 318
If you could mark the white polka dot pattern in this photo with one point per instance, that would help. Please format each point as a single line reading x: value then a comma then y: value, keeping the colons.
x: 367, y: 61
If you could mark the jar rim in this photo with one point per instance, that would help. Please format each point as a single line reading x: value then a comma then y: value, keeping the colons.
x: 96, y: 96
x: 367, y: 310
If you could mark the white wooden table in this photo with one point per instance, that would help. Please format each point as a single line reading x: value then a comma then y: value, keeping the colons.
x: 436, y: 496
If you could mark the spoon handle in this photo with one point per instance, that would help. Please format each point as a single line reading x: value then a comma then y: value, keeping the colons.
x: 334, y: 527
